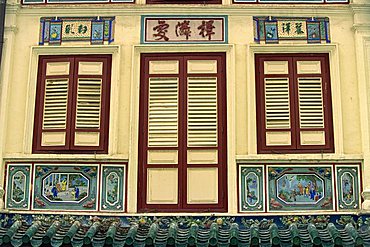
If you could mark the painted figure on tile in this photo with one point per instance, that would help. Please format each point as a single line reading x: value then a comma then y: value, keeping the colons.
x: 252, y: 190
x: 65, y: 187
x: 19, y: 185
x: 112, y: 184
x: 347, y: 187
x: 183, y: 29
x: 161, y: 29
x: 300, y: 188
x: 206, y: 29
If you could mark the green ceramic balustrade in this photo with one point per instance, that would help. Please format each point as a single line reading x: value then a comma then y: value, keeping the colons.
x: 354, y: 234
x: 296, y: 240
x: 11, y: 231
x: 131, y: 234
x: 152, y: 234
x: 31, y: 232
x: 255, y: 239
x: 111, y: 233
x: 334, y: 233
x: 172, y: 234
x: 91, y: 232
x: 213, y: 235
x: 314, y: 234
x: 274, y: 235
x: 193, y: 233
x: 234, y: 234
x: 71, y: 232
x: 46, y: 239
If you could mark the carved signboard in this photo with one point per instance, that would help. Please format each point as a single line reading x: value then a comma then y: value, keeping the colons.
x: 179, y: 29
x: 272, y: 29
x: 96, y: 30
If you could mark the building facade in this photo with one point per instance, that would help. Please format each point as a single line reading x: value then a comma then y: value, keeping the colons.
x: 219, y: 111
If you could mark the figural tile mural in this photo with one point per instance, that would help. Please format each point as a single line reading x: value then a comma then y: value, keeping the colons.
x: 300, y: 188
x: 18, y: 186
x: 304, y: 187
x: 67, y: 187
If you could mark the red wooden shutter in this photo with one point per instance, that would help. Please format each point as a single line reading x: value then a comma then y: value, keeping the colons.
x: 181, y: 142
x: 293, y: 103
x: 72, y: 104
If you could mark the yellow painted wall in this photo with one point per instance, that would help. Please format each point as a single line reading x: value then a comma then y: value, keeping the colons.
x: 18, y: 120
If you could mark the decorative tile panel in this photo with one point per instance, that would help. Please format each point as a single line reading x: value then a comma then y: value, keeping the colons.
x: 18, y: 186
x: 96, y: 30
x: 299, y: 188
x: 273, y: 29
x: 251, y: 194
x: 183, y: 29
x: 348, y: 187
x: 66, y: 187
x: 113, y: 188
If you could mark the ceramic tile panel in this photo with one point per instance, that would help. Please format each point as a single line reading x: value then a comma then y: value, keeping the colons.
x: 113, y: 186
x: 251, y: 188
x: 348, y: 187
x: 270, y: 29
x: 96, y: 30
x: 65, y: 187
x: 18, y: 186
x: 300, y: 188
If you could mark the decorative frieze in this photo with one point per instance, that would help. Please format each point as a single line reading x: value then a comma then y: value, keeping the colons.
x: 301, y: 187
x: 270, y: 29
x: 66, y: 187
x: 183, y: 29
x: 96, y: 30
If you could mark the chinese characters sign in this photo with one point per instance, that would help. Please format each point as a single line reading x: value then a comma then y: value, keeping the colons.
x: 273, y: 29
x: 93, y: 29
x: 192, y: 29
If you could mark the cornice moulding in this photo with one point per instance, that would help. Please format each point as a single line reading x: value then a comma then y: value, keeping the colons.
x: 136, y: 9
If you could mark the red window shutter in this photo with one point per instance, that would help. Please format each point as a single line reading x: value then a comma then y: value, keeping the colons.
x: 293, y: 109
x: 72, y: 104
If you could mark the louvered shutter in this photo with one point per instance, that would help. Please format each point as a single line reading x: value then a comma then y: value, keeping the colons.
x: 277, y: 103
x: 55, y: 106
x: 180, y: 108
x: 73, y: 95
x: 311, y: 111
x: 88, y: 104
x: 163, y: 112
x: 294, y: 96
x: 202, y: 111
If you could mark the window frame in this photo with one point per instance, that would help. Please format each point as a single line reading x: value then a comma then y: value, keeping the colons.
x: 70, y: 130
x: 295, y: 146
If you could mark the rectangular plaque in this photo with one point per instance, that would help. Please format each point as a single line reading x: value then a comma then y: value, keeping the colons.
x: 273, y: 29
x: 184, y: 29
x: 96, y: 30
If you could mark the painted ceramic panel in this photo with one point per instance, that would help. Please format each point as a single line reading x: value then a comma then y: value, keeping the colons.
x: 273, y: 29
x: 300, y: 188
x: 251, y: 196
x: 67, y: 187
x: 18, y: 186
x: 113, y: 188
x: 348, y: 187
x: 184, y: 29
x: 96, y: 30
